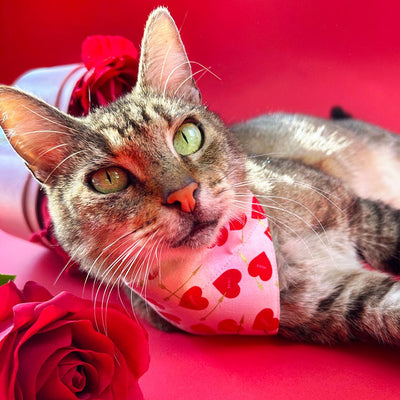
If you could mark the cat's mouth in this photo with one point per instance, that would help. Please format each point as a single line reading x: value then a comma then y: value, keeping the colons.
x: 199, y: 235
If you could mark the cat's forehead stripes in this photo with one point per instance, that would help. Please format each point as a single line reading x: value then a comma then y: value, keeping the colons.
x: 131, y: 118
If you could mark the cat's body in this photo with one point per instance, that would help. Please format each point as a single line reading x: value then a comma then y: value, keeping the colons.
x: 313, y: 184
x: 365, y: 157
x: 156, y: 175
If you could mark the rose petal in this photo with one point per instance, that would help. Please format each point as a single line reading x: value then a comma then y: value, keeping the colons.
x: 34, y: 292
x: 124, y: 332
x: 24, y: 313
x: 97, y: 49
x: 7, y: 380
x: 57, y: 345
x: 134, y: 392
x: 33, y: 354
x: 86, y: 337
x: 10, y: 295
x: 41, y: 320
x: 74, y: 377
x: 55, y: 387
x: 90, y: 347
x: 99, y: 368
x: 103, y: 83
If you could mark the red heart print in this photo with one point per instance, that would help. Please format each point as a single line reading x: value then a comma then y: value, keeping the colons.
x: 228, y: 283
x: 265, y: 321
x: 257, y: 211
x: 222, y: 237
x: 260, y: 266
x: 204, y: 329
x: 229, y: 325
x: 153, y: 275
x: 170, y: 317
x: 193, y: 299
x: 238, y: 223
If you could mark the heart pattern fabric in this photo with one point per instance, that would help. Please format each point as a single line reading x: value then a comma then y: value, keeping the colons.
x: 231, y: 288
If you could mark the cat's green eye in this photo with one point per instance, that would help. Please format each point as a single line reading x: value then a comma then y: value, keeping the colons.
x: 110, y: 180
x: 188, y: 139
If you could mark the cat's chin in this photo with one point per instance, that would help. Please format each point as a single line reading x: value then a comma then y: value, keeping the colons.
x: 201, y: 235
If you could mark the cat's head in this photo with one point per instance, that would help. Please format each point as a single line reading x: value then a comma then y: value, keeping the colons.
x: 152, y: 175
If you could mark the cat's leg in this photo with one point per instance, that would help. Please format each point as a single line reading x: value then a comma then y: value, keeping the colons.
x: 336, y: 300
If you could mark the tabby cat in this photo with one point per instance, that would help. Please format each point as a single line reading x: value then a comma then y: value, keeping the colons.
x: 328, y: 187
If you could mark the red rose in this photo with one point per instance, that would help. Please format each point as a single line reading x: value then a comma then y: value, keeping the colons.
x: 64, y: 347
x: 112, y: 67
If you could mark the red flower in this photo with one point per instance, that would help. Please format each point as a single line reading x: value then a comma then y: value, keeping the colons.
x: 112, y: 67
x: 65, y: 347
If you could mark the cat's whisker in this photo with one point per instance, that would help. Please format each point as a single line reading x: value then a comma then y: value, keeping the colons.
x: 159, y: 262
x: 109, y: 281
x: 203, y: 71
x: 188, y: 78
x: 148, y: 263
x: 157, y: 257
x: 120, y: 259
x: 285, y: 227
x: 324, y: 238
x: 139, y: 268
x: 99, y: 267
x: 276, y: 220
x: 328, y: 243
x: 133, y: 261
x: 270, y: 154
x: 271, y: 197
x: 206, y: 69
x: 69, y: 128
x: 113, y: 269
x: 180, y: 66
x: 62, y: 162
x: 324, y: 194
x: 109, y: 246
x: 50, y: 150
x: 279, y: 208
x: 65, y: 267
x: 27, y: 133
x: 301, y: 219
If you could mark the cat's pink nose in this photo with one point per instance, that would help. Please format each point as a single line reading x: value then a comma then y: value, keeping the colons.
x: 185, y: 197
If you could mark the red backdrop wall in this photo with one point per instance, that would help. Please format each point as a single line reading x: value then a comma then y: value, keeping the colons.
x: 302, y: 56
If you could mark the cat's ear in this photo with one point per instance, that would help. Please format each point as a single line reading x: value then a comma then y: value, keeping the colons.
x: 164, y: 65
x: 38, y: 132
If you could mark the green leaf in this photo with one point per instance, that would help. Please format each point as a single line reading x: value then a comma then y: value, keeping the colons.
x: 4, y: 278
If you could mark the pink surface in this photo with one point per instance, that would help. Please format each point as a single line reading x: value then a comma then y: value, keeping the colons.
x: 273, y: 55
x: 194, y: 367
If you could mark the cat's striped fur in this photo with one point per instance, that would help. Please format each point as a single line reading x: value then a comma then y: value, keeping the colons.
x: 329, y: 189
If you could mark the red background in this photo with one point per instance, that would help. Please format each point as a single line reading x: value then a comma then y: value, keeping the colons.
x: 298, y: 56
x: 288, y: 55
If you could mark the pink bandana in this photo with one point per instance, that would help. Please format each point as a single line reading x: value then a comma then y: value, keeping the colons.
x: 233, y: 290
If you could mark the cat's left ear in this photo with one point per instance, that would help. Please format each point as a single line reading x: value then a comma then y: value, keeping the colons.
x: 164, y: 65
x: 39, y: 133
